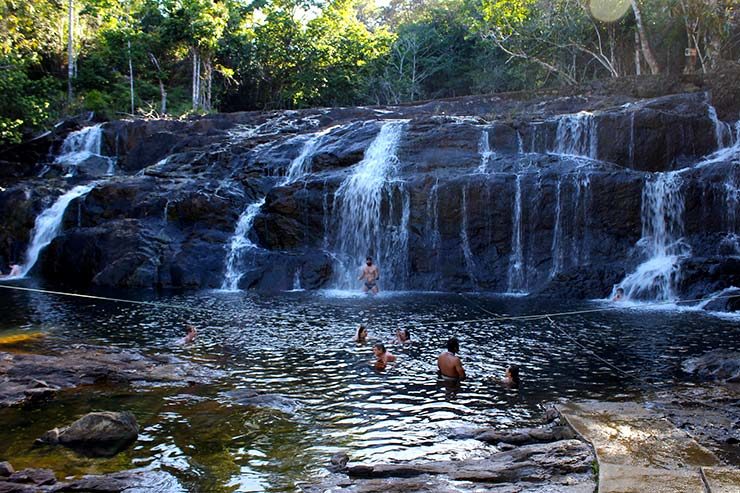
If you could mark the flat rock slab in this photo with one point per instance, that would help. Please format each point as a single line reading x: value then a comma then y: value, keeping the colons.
x: 722, y: 479
x: 28, y: 377
x: 638, y: 450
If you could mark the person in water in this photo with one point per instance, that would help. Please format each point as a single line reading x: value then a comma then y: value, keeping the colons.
x: 620, y: 295
x: 361, y: 335
x: 190, y: 334
x: 382, y: 357
x: 403, y: 336
x: 449, y: 363
x: 15, y: 271
x: 370, y: 275
x: 511, y: 379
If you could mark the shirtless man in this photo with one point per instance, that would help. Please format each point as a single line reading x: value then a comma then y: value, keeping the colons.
x: 190, y: 334
x: 15, y: 271
x: 619, y: 296
x: 449, y: 364
x: 370, y: 275
x: 382, y: 356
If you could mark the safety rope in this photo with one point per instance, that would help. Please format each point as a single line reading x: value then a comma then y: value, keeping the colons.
x: 493, y: 318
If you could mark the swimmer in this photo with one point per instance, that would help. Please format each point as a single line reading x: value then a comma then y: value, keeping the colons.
x: 190, y: 334
x: 403, y: 336
x: 382, y: 357
x: 620, y: 295
x: 361, y: 336
x: 370, y: 275
x: 511, y: 379
x: 449, y: 363
x: 15, y: 271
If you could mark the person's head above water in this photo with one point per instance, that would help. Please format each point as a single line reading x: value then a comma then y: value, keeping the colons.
x: 453, y: 345
x: 369, y: 261
x: 361, y: 333
x: 189, y: 329
x: 407, y: 334
x: 512, y: 374
x: 620, y: 291
x: 379, y: 349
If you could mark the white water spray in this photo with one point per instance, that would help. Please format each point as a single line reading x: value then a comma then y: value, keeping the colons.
x: 485, y: 152
x: 662, y: 231
x: 49, y: 224
x: 239, y: 245
x: 576, y: 135
x: 364, y: 229
x: 516, y: 259
x: 82, y: 145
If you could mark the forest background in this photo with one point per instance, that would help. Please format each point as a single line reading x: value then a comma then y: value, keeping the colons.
x: 156, y: 58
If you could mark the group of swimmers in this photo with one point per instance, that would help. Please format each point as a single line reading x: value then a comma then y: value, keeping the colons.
x: 449, y: 364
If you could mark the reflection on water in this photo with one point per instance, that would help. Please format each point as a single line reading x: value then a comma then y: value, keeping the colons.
x: 299, y: 345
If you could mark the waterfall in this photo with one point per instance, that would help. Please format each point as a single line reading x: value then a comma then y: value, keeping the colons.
x: 732, y: 199
x: 362, y: 228
x: 485, y: 152
x: 516, y: 259
x: 301, y: 165
x: 464, y: 241
x: 722, y: 130
x: 432, y: 218
x: 48, y: 224
x: 82, y: 145
x: 239, y: 245
x: 662, y: 228
x: 632, y: 139
x: 557, y: 234
x: 519, y: 143
x: 581, y: 206
x: 297, y: 280
x: 576, y: 135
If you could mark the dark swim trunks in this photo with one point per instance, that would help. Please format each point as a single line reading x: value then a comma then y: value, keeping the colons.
x: 370, y: 284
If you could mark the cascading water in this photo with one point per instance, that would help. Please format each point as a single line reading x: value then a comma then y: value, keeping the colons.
x: 48, y: 224
x: 557, y: 234
x: 576, y: 135
x: 465, y: 242
x: 516, y: 259
x: 363, y: 228
x: 662, y: 230
x: 484, y: 149
x: 81, y: 146
x: 239, y: 245
x: 722, y: 130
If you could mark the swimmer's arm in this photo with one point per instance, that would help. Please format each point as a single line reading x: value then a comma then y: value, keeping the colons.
x: 459, y: 369
x: 362, y: 275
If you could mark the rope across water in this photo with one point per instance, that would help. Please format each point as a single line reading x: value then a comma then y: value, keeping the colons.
x: 493, y: 318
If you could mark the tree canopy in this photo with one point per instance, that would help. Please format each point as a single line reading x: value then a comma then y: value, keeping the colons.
x: 151, y: 57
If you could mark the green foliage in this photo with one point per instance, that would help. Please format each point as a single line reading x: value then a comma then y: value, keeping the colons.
x: 268, y: 54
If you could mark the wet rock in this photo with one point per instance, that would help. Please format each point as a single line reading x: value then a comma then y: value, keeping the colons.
x: 339, y: 462
x: 85, y: 365
x: 527, y: 435
x: 98, y: 434
x: 44, y: 480
x: 718, y: 365
x: 6, y: 469
x: 248, y: 397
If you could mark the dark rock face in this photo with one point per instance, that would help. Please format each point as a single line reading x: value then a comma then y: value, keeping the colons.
x: 99, y: 434
x: 542, y: 196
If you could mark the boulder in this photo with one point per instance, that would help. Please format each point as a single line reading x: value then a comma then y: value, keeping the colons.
x: 718, y: 365
x: 98, y: 434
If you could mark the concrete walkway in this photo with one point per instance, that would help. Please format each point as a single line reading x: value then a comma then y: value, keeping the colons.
x: 639, y: 451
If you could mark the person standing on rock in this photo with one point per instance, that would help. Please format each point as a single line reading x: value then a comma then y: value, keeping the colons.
x: 370, y: 275
x: 449, y: 363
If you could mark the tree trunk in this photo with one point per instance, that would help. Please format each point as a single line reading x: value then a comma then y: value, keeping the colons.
x: 647, y: 52
x: 70, y: 53
x: 196, y: 80
x: 131, y: 77
x: 208, y: 76
x: 638, y: 68
x: 162, y: 91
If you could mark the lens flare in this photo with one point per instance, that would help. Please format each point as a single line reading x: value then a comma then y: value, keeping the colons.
x: 609, y: 10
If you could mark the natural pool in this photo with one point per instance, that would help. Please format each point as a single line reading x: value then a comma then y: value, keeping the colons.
x: 299, y: 344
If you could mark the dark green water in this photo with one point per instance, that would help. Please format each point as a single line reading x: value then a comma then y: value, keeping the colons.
x: 299, y: 345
